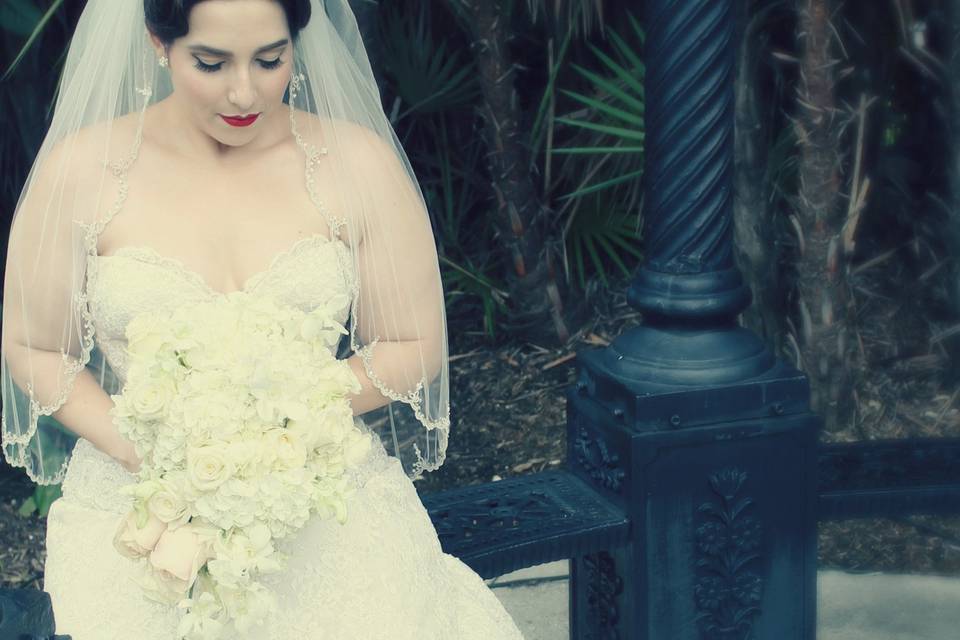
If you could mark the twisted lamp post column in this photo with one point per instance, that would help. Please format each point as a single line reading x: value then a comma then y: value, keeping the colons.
x: 688, y: 421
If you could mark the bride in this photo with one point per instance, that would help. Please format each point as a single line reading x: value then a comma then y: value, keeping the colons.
x: 200, y: 148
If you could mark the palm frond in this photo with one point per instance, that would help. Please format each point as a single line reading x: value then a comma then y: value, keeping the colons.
x: 428, y: 76
x: 16, y: 17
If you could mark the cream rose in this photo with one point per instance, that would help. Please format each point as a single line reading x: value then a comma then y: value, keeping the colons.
x: 135, y: 542
x: 179, y: 555
x: 208, y: 467
x: 162, y: 587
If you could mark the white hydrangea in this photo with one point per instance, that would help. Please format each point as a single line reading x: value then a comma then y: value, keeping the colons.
x: 239, y: 410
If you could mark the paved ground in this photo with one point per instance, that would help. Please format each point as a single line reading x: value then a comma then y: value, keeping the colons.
x: 849, y: 606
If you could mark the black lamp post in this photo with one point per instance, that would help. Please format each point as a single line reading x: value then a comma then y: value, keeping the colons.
x: 688, y: 421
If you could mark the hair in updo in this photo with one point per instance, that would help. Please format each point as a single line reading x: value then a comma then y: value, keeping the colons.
x: 167, y: 19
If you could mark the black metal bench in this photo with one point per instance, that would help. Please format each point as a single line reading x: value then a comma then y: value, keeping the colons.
x: 499, y: 527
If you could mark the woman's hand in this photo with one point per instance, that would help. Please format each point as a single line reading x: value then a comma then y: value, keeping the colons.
x: 126, y: 455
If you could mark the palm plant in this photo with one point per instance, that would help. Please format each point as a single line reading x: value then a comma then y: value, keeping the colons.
x: 452, y: 191
x: 428, y: 82
x: 603, y: 160
x: 429, y: 76
x: 27, y: 84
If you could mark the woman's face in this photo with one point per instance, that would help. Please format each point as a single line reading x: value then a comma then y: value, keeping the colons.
x: 234, y: 61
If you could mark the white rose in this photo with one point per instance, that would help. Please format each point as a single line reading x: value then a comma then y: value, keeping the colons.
x: 146, y: 335
x: 166, y: 505
x: 148, y: 398
x: 208, y: 467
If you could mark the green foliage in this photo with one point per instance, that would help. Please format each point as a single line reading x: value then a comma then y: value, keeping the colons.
x: 23, y: 18
x: 452, y: 191
x: 35, y: 34
x: 612, y: 125
x: 428, y: 75
x: 39, y: 503
x: 603, y: 160
x: 20, y: 17
x: 470, y: 281
x: 601, y: 235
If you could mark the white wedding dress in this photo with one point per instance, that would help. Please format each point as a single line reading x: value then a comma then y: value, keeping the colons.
x: 382, y: 575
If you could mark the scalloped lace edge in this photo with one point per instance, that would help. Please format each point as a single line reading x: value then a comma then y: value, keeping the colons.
x: 413, y: 398
x: 72, y: 366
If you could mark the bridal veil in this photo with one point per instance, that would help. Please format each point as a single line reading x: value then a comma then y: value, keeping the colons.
x: 397, y: 323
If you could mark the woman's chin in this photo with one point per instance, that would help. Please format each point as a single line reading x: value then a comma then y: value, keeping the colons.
x: 234, y: 138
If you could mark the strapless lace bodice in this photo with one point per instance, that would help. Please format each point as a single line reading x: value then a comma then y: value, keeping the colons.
x: 137, y: 279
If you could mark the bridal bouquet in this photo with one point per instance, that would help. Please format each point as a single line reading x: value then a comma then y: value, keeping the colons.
x: 238, y: 409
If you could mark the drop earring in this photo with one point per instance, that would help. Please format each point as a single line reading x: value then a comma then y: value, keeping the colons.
x: 295, y: 80
x: 162, y: 61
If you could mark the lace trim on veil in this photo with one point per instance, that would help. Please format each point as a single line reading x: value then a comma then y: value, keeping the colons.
x: 73, y: 366
x: 413, y: 398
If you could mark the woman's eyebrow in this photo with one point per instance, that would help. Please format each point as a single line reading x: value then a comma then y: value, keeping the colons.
x: 202, y: 48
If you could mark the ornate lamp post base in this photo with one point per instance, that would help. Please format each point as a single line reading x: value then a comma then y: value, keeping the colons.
x: 688, y: 422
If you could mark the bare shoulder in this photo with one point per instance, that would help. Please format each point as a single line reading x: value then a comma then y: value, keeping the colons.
x: 369, y: 157
x: 357, y: 144
x: 76, y: 161
x: 103, y: 142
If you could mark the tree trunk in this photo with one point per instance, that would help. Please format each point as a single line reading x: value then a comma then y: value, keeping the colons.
x: 755, y: 245
x: 520, y: 218
x: 822, y: 289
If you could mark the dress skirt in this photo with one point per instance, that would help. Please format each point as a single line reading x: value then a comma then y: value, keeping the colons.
x: 380, y: 576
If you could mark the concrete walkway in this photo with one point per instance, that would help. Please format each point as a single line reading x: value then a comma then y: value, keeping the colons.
x: 849, y: 606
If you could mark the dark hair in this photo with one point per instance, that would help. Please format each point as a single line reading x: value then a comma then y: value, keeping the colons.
x: 167, y: 19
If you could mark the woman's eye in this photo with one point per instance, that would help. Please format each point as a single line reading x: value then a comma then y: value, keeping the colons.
x: 270, y: 64
x: 209, y: 68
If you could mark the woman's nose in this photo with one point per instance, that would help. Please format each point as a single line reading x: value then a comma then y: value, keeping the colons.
x: 242, y: 93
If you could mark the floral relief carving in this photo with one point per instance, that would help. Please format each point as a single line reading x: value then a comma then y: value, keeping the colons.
x: 604, y: 587
x: 728, y: 551
x: 594, y: 455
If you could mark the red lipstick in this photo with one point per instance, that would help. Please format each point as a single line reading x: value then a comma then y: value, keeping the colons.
x: 240, y: 121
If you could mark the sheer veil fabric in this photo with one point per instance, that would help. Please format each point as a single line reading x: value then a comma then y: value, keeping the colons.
x: 78, y: 183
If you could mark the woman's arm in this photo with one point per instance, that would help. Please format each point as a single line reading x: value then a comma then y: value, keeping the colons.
x: 400, y: 302
x: 85, y: 411
x: 41, y: 341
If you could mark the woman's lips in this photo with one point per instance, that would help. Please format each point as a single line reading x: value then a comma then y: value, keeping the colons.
x: 238, y: 121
